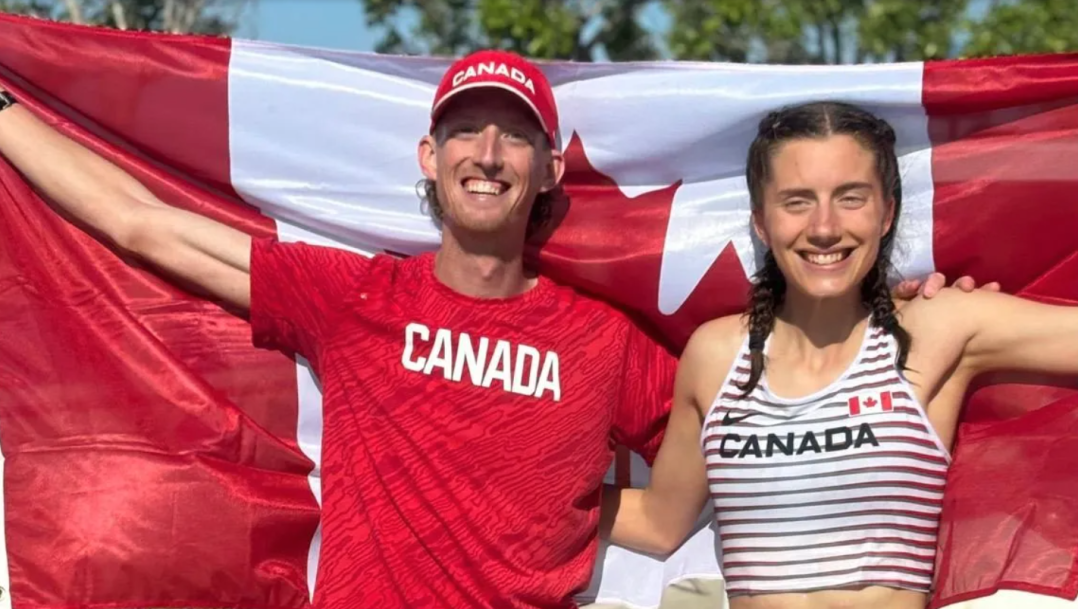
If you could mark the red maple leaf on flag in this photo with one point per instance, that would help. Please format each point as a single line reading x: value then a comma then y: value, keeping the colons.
x: 624, y: 266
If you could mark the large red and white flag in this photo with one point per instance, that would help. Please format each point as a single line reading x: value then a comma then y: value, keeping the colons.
x: 153, y: 458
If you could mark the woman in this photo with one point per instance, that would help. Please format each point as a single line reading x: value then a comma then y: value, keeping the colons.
x: 825, y: 416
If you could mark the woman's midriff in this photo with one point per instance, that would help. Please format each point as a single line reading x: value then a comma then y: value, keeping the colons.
x: 872, y: 597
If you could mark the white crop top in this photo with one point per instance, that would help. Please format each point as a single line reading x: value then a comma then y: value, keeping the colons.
x: 838, y: 490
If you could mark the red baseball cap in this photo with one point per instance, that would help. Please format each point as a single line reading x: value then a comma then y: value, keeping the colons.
x: 503, y: 70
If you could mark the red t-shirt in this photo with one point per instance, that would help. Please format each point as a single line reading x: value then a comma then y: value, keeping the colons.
x: 465, y: 440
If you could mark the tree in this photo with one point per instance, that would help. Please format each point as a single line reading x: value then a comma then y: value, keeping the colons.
x: 1045, y: 26
x: 813, y: 31
x: 217, y: 17
x: 38, y: 8
x: 774, y: 31
x: 900, y: 30
x: 736, y: 30
x: 581, y: 30
x: 859, y: 31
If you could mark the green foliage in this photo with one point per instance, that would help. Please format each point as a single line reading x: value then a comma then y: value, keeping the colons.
x: 548, y: 29
x: 1044, y: 26
x: 900, y: 30
x: 37, y: 8
x: 216, y: 17
x: 736, y: 30
x: 813, y: 31
x: 775, y: 31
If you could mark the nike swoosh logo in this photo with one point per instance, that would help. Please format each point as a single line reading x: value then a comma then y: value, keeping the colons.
x: 729, y: 420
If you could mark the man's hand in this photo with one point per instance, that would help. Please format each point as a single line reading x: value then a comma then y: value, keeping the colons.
x: 912, y: 288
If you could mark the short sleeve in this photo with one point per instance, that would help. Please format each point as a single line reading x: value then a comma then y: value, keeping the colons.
x: 296, y: 288
x: 647, y: 391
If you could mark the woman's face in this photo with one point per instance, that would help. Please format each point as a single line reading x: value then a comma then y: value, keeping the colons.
x: 824, y: 214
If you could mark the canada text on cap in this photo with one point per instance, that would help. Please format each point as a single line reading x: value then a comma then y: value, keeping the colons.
x: 503, y: 70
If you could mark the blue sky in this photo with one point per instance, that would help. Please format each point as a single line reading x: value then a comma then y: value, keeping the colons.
x: 341, y: 24
x: 337, y: 24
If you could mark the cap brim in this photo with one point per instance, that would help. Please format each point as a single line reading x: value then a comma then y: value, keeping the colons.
x: 436, y: 111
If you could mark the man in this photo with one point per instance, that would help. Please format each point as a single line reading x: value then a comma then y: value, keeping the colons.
x: 471, y: 407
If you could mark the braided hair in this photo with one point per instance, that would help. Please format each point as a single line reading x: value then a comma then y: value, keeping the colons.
x: 818, y: 120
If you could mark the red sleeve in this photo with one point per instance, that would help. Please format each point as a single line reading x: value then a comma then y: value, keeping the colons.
x: 296, y: 288
x: 647, y: 391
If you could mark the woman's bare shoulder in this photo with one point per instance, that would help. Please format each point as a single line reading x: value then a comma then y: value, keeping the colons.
x: 717, y: 342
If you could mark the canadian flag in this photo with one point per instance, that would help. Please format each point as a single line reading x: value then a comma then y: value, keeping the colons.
x: 153, y: 458
x: 878, y: 402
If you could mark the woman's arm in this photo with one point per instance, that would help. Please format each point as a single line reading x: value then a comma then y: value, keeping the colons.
x: 982, y: 331
x: 657, y: 519
x: 1010, y: 333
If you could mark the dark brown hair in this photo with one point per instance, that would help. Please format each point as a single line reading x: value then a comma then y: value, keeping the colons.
x: 818, y: 120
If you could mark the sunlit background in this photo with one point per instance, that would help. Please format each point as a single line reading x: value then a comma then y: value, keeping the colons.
x: 772, y: 31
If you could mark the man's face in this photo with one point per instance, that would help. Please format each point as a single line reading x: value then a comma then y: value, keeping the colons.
x: 490, y: 160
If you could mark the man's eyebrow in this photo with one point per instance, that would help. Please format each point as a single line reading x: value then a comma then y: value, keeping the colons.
x: 808, y: 193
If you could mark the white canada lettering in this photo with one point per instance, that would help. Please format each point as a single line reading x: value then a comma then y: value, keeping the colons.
x: 472, y: 358
x: 549, y: 378
x: 499, y: 366
x: 520, y: 369
x: 410, y: 332
x: 497, y: 69
x: 442, y: 354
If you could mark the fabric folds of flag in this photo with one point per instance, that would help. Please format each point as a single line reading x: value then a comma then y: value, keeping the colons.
x: 153, y: 458
x: 150, y: 452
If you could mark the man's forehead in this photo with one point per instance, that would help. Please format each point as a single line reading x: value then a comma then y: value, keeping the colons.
x: 488, y: 105
x: 486, y: 102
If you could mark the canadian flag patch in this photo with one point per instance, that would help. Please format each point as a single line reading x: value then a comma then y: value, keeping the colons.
x: 870, y: 403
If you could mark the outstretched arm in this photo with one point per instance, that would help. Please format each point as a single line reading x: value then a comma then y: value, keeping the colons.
x: 1010, y: 333
x: 206, y: 253
x: 657, y: 519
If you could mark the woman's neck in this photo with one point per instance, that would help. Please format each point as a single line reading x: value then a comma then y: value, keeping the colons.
x: 820, y: 333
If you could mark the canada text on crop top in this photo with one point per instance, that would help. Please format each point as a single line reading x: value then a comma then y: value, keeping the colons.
x: 841, y: 489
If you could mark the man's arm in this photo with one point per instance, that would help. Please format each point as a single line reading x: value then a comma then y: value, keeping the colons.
x: 205, y: 252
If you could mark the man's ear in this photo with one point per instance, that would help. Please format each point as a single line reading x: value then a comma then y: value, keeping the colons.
x: 555, y: 170
x: 427, y: 153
